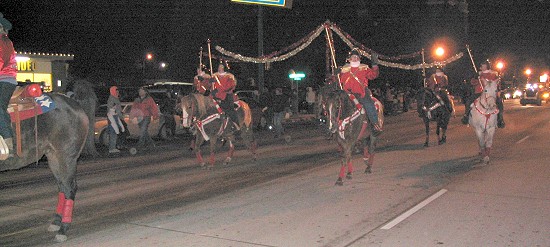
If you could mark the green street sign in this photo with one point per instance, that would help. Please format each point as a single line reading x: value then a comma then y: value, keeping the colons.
x: 298, y: 76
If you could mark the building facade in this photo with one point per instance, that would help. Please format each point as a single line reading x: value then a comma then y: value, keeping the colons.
x: 48, y: 69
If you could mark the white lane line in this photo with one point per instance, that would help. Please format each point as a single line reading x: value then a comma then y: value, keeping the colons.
x: 413, y: 210
x: 522, y: 140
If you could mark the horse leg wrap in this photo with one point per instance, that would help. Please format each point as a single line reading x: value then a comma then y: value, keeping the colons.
x: 199, y: 157
x: 231, y: 150
x: 60, y: 203
x: 342, y: 171
x: 350, y: 167
x: 68, y: 211
x: 212, y: 159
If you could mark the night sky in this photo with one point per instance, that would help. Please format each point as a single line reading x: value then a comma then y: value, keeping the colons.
x: 110, y: 38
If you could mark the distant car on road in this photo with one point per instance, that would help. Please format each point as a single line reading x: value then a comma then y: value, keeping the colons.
x: 156, y: 127
x: 534, y: 94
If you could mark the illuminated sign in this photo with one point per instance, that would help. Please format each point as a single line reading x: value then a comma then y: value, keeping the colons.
x: 26, y: 65
x: 274, y: 3
x: 298, y: 76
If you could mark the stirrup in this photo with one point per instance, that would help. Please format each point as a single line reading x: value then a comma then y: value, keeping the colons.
x: 4, y: 150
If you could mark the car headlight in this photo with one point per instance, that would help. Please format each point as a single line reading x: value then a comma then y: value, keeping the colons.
x: 507, y: 95
x: 517, y: 93
x: 546, y: 95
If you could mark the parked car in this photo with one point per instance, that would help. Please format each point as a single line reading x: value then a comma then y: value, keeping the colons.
x: 156, y: 128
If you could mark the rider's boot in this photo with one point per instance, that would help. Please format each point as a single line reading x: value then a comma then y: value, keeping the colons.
x: 500, y: 117
x: 466, y: 117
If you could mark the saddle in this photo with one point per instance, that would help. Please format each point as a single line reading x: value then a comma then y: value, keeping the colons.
x: 23, y: 105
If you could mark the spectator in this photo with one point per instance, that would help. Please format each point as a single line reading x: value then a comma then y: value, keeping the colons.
x: 143, y: 108
x: 168, y: 110
x: 310, y: 99
x: 114, y: 117
x: 279, y: 104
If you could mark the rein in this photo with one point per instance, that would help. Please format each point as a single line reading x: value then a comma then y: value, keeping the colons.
x: 486, y: 111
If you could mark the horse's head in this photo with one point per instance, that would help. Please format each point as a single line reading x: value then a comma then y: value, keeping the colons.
x: 489, y: 94
x: 337, y: 104
x: 189, y: 110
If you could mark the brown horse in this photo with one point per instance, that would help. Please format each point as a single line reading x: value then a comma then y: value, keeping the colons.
x: 349, y: 125
x: 59, y: 134
x: 200, y: 113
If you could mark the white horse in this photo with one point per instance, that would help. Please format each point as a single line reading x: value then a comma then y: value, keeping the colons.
x: 483, y: 117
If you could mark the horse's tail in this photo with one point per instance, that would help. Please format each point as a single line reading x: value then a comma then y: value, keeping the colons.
x: 247, y: 114
x: 84, y: 94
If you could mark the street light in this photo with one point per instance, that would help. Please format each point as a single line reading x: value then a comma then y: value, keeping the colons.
x: 439, y: 51
x: 528, y: 72
x: 500, y: 65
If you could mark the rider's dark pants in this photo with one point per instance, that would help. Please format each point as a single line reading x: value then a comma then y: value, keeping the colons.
x: 227, y: 107
x: 6, y: 90
x: 368, y: 104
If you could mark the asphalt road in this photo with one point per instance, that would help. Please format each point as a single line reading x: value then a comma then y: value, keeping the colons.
x: 415, y: 196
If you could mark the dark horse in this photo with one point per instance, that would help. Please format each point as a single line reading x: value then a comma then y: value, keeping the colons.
x: 199, y: 112
x: 59, y: 134
x: 349, y: 125
x: 434, y: 108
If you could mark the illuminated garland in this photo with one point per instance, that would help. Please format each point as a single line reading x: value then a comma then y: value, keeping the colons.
x: 307, y: 41
x: 350, y: 40
x: 352, y: 43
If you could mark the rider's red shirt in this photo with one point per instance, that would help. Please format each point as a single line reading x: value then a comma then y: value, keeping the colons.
x: 225, y: 84
x: 356, y: 79
x: 8, y: 65
x: 488, y: 75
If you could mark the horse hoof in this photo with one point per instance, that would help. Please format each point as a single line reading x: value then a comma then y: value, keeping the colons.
x: 53, y: 228
x: 426, y: 144
x: 60, y: 238
x: 339, y: 182
x: 348, y: 176
x: 486, y: 159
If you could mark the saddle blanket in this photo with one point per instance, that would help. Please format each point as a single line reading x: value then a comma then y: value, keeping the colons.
x: 42, y: 104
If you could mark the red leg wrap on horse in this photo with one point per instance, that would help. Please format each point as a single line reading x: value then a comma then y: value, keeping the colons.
x: 68, y: 211
x: 60, y: 203
x: 350, y: 167
x: 363, y: 131
x: 199, y: 157
x: 342, y: 171
x: 212, y: 159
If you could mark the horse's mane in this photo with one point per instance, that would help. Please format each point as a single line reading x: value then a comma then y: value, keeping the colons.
x: 346, y: 104
x: 202, y: 103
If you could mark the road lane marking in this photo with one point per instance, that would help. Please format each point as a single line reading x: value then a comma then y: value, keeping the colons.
x: 522, y: 140
x: 413, y: 210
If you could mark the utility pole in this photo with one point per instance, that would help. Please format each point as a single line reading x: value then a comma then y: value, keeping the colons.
x: 261, y: 66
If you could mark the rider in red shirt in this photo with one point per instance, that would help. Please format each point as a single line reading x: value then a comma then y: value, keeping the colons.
x: 8, y: 83
x: 485, y: 73
x: 223, y: 84
x: 201, y: 82
x: 355, y: 77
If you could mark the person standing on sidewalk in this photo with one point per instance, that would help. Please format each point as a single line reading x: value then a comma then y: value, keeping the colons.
x: 280, y: 102
x: 310, y: 99
x: 114, y: 117
x: 144, y: 108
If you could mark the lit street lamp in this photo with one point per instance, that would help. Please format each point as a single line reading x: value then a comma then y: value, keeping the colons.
x: 500, y: 65
x: 439, y: 51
